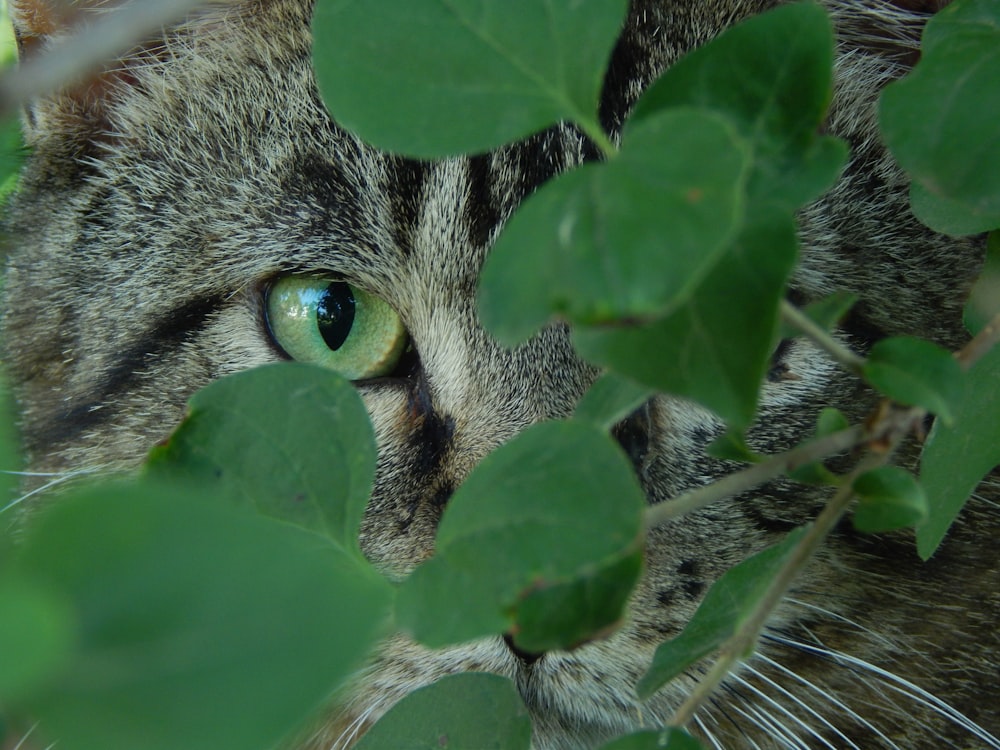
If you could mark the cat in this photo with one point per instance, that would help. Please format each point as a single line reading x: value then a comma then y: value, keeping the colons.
x: 165, y: 206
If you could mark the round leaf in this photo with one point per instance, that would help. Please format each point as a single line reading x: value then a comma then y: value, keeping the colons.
x: 611, y: 399
x: 199, y: 626
x: 36, y: 636
x: 716, y: 347
x: 433, y: 78
x: 889, y: 498
x: 915, y: 372
x: 630, y: 238
x: 771, y: 76
x: 554, y: 514
x: 293, y: 441
x: 937, y: 120
x: 461, y: 712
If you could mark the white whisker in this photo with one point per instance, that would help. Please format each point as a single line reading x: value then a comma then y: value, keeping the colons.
x: 708, y: 735
x: 24, y: 738
x: 803, y: 705
x: 773, y: 703
x: 14, y: 473
x: 60, y: 478
x: 769, y: 724
x: 830, y: 698
x: 841, y: 618
x: 902, y: 686
x: 353, y: 729
x: 721, y: 708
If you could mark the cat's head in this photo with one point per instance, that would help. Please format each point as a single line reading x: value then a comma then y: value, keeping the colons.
x: 170, y: 197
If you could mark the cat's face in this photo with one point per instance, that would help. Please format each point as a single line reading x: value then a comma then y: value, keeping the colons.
x: 153, y: 226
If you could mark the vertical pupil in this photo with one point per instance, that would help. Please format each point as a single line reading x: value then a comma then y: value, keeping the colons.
x: 335, y: 314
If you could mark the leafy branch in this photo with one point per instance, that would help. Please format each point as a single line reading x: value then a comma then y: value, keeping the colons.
x: 746, y: 635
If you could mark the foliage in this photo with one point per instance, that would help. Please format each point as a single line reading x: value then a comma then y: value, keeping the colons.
x: 193, y: 606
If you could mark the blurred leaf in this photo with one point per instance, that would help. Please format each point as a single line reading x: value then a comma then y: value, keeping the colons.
x: 726, y: 606
x: 984, y: 299
x: 814, y: 473
x: 629, y: 239
x: 10, y: 453
x: 198, y: 625
x: 772, y: 77
x: 732, y: 446
x: 955, y: 458
x: 569, y: 614
x: 468, y: 711
x: 432, y: 78
x: 36, y: 637
x: 830, y: 420
x: 826, y: 313
x: 666, y: 739
x: 532, y: 521
x: 611, y: 399
x: 716, y: 347
x: 292, y: 440
x: 12, y: 153
x: 889, y: 498
x: 937, y: 120
x: 915, y: 372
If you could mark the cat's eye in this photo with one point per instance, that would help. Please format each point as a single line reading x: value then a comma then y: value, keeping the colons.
x: 332, y: 323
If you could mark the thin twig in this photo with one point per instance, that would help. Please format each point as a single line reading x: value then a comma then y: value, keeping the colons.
x: 976, y: 349
x: 822, y: 338
x: 731, y: 652
x: 753, y: 476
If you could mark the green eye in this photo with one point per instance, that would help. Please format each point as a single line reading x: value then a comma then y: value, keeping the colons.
x: 331, y: 323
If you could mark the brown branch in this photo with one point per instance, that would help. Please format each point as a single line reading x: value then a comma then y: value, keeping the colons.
x: 982, y: 343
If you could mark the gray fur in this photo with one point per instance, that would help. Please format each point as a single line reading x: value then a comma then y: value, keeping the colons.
x: 150, y: 218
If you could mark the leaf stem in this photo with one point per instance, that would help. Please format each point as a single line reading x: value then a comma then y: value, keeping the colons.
x: 593, y: 130
x: 983, y: 341
x: 753, y: 476
x: 822, y: 338
x: 749, y: 630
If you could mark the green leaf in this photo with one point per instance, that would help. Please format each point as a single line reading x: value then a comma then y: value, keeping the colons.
x: 292, y: 440
x: 889, y: 498
x: 771, y: 76
x: 915, y: 372
x: 732, y: 446
x: 628, y: 239
x: 716, y: 347
x: 462, y: 711
x: 726, y: 606
x: 569, y: 614
x: 826, y: 313
x: 956, y: 457
x: 36, y: 637
x: 533, y: 520
x: 665, y: 739
x: 10, y: 454
x: 12, y: 154
x: 198, y: 625
x: 610, y: 400
x: 830, y: 420
x: 432, y: 78
x: 936, y: 121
